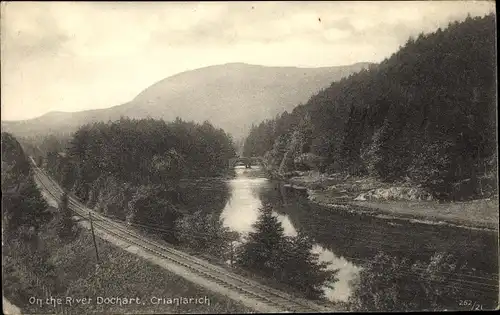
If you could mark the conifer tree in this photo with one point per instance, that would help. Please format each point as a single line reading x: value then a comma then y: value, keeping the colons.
x: 304, y: 271
x: 264, y: 248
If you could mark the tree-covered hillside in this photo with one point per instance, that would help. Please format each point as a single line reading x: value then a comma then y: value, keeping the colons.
x: 23, y: 208
x: 426, y: 115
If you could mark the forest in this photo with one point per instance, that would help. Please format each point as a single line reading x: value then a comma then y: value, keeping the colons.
x: 46, y: 253
x: 426, y: 115
x: 130, y: 170
x: 23, y: 208
x: 25, y: 213
x: 29, y: 222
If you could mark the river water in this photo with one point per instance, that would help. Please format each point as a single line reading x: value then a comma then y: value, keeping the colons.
x: 248, y: 192
x: 346, y: 240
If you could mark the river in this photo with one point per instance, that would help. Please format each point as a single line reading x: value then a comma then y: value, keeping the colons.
x: 347, y: 240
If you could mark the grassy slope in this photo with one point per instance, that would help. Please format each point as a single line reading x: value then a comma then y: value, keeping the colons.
x: 326, y: 191
x: 120, y: 274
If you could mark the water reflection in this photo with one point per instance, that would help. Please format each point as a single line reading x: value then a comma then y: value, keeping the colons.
x: 345, y: 240
x: 208, y: 195
x: 241, y: 212
x: 347, y: 271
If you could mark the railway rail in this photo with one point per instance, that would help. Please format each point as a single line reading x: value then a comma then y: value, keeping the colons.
x: 251, y: 293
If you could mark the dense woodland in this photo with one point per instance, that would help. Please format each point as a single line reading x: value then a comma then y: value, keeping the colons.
x: 25, y: 213
x: 131, y: 169
x: 149, y: 151
x: 426, y: 115
x: 23, y: 208
x: 29, y: 223
x: 129, y: 149
x: 44, y: 252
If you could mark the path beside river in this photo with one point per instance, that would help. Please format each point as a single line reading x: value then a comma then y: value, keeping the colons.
x: 332, y: 191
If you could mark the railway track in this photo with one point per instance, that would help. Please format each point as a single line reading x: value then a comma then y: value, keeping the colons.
x: 251, y: 293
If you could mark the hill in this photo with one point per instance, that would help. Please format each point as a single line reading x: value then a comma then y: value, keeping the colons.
x: 426, y: 115
x: 230, y: 96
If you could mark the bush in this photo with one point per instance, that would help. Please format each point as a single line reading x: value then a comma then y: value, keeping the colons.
x: 67, y: 230
x: 267, y: 251
x: 397, y: 284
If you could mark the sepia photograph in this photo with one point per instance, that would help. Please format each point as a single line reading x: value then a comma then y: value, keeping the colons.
x: 249, y: 157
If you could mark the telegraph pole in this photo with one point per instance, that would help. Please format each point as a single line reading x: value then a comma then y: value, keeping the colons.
x: 232, y: 254
x: 93, y: 237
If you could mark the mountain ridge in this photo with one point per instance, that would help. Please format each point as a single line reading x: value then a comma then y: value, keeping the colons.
x: 214, y: 93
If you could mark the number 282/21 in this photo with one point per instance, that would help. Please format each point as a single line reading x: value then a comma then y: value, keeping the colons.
x: 471, y: 304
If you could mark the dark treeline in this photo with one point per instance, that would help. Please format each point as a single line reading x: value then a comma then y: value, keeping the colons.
x: 137, y: 151
x: 23, y: 208
x: 149, y: 151
x: 131, y: 169
x: 425, y: 115
x: 25, y: 213
x: 39, y: 146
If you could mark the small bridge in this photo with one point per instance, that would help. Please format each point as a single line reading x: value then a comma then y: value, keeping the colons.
x: 247, y: 161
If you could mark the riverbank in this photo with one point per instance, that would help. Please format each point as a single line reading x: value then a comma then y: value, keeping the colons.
x: 399, y: 201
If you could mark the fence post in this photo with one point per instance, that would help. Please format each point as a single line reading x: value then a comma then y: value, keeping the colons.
x: 93, y: 237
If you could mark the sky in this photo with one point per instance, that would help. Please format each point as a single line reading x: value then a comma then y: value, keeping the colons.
x: 72, y: 56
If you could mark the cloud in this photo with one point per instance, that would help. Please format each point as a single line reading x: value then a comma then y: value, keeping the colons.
x: 78, y: 55
x: 28, y: 31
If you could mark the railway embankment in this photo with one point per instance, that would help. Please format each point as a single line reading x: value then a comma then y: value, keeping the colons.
x: 120, y: 273
x: 245, y: 292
